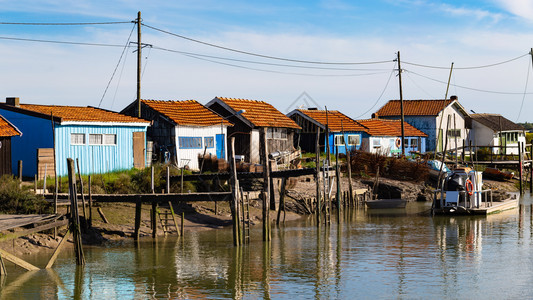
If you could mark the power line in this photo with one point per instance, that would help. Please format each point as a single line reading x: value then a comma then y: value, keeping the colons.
x: 264, y: 63
x: 262, y: 55
x: 381, y: 95
x: 466, y: 68
x: 59, y: 42
x: 64, y: 24
x: 116, y: 67
x: 525, y: 91
x: 468, y: 88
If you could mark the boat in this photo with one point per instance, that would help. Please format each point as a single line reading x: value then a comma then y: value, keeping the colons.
x: 496, y: 174
x: 462, y: 193
x: 386, y: 203
x: 436, y: 167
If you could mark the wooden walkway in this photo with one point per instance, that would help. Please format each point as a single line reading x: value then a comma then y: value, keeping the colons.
x: 13, y: 221
x: 147, y: 198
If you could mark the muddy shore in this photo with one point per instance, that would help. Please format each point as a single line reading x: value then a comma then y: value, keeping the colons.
x: 201, y: 215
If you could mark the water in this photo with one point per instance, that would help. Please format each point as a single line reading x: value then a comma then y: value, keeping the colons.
x: 371, y: 255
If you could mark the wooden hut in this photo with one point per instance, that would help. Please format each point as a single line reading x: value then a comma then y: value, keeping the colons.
x: 256, y: 115
x: 102, y: 140
x: 185, y: 129
x: 7, y: 131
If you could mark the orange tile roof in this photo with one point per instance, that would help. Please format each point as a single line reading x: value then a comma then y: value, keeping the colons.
x: 413, y: 107
x: 81, y: 114
x: 336, y: 120
x: 188, y: 112
x: 381, y: 127
x: 260, y: 113
x: 7, y: 129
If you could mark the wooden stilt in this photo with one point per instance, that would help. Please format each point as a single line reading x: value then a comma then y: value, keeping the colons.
x: 58, y: 249
x: 282, y: 200
x: 174, y: 217
x: 317, y: 177
x: 520, y: 167
x: 101, y: 213
x: 266, y: 184
x: 90, y: 203
x: 82, y: 194
x: 154, y: 219
x: 138, y: 216
x: 75, y: 218
x: 234, y: 193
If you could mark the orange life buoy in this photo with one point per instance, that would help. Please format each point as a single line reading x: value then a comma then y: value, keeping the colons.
x: 398, y: 142
x: 469, y: 187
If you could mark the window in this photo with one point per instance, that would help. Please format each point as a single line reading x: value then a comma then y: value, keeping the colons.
x: 110, y: 139
x: 454, y: 133
x: 190, y: 142
x: 510, y: 137
x: 354, y: 140
x: 209, y: 142
x: 77, y: 139
x: 277, y: 133
x: 102, y: 139
x: 376, y: 143
x: 414, y: 143
x: 405, y: 143
x: 339, y: 140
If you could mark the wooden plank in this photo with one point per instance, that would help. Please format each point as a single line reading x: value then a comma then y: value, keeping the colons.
x: 15, y: 235
x: 138, y: 150
x: 14, y: 221
x: 17, y: 261
x: 58, y: 249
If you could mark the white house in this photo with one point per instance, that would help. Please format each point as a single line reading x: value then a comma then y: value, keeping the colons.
x: 495, y: 130
x: 432, y: 117
x: 184, y: 129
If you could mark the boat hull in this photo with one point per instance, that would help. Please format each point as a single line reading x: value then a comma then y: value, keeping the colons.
x: 386, y: 203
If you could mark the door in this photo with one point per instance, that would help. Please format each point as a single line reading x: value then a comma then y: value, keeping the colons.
x: 138, y: 150
x: 221, y: 145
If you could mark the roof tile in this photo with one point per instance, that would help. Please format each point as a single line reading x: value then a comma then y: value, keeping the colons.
x: 81, y: 114
x: 496, y: 122
x: 7, y: 129
x: 336, y: 120
x: 260, y: 113
x: 382, y: 127
x: 413, y: 107
x: 188, y: 112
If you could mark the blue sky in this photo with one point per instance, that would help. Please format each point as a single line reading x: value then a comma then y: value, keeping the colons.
x: 429, y: 33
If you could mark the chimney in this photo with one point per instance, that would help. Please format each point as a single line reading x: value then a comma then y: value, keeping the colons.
x: 375, y: 116
x: 13, y: 101
x: 453, y: 97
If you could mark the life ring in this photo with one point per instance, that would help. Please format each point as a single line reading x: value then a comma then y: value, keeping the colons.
x: 469, y: 187
x: 398, y: 142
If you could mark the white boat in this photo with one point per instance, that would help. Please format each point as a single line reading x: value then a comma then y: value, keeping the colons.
x: 462, y: 193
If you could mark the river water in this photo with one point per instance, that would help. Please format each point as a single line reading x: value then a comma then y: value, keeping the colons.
x: 382, y: 254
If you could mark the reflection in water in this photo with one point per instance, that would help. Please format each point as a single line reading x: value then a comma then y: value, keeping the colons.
x: 368, y: 254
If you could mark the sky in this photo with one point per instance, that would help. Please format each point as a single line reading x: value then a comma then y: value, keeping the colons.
x: 332, y: 53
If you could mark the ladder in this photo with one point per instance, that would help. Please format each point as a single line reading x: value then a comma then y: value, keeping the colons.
x: 168, y: 219
x: 245, y: 205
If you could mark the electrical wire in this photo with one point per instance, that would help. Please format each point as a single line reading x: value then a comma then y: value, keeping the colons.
x: 381, y: 95
x: 59, y: 42
x: 65, y: 24
x: 525, y: 91
x: 118, y: 64
x: 265, y: 63
x: 280, y: 72
x: 416, y: 84
x: 466, y: 68
x: 469, y: 88
x: 262, y: 55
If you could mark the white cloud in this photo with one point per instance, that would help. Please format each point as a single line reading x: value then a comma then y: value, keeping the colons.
x: 521, y: 8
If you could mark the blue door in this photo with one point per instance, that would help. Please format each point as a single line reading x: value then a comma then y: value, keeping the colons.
x: 221, y: 144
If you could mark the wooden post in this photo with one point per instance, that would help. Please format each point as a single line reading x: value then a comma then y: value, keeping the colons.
x: 174, y: 217
x: 154, y: 219
x: 266, y: 183
x: 282, y: 199
x: 20, y: 170
x: 168, y: 180
x: 348, y: 166
x: 338, y: 175
x: 234, y: 194
x: 152, y: 180
x: 35, y: 184
x: 74, y: 218
x: 90, y: 203
x: 531, y: 169
x: 271, y: 184
x: 520, y: 167
x: 182, y: 220
x: 463, y: 152
x: 138, y: 217
x: 58, y: 249
x: 181, y: 184
x: 317, y: 177
x: 82, y: 194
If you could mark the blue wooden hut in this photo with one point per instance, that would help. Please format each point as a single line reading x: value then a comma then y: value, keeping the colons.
x: 344, y: 132
x: 102, y: 140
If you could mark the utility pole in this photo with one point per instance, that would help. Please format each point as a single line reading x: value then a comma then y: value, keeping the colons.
x: 139, y: 56
x: 401, y: 104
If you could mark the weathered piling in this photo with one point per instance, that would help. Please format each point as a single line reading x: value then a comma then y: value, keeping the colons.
x: 520, y: 167
x: 138, y: 214
x: 282, y: 200
x: 234, y: 194
x: 317, y: 178
x: 531, y: 169
x: 338, y: 175
x: 90, y: 203
x: 82, y: 193
x: 266, y: 184
x: 74, y: 215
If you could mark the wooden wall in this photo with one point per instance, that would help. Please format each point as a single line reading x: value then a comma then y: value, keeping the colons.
x: 5, y: 155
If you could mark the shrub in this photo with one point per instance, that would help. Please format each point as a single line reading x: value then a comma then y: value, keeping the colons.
x: 14, y: 200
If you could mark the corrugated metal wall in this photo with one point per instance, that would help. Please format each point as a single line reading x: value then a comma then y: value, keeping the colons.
x: 192, y: 154
x: 95, y: 158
